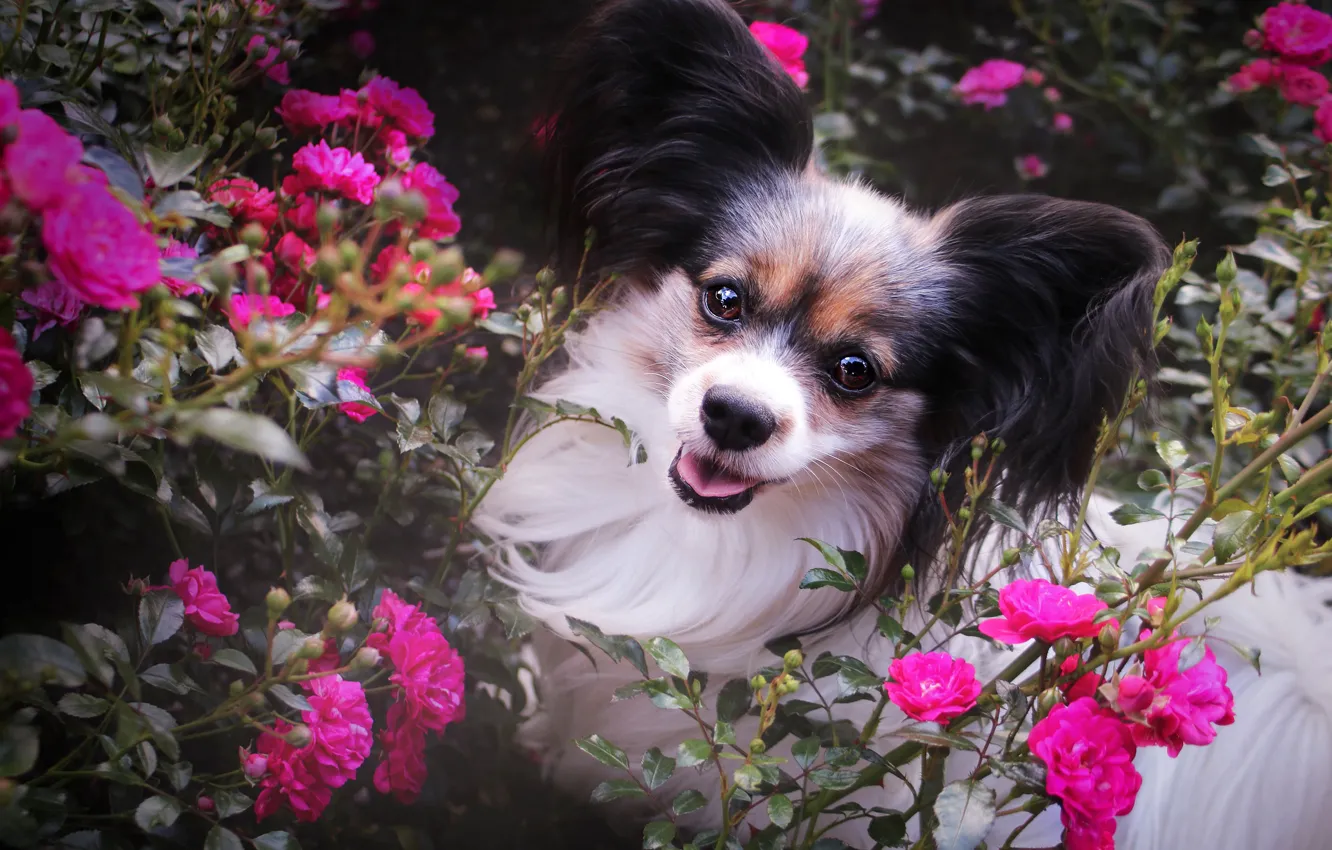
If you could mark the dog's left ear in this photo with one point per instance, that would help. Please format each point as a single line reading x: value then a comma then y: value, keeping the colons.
x: 1045, y: 315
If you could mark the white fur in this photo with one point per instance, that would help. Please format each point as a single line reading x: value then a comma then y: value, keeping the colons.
x: 622, y: 551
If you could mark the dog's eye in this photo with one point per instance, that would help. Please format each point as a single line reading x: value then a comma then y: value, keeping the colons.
x: 723, y: 302
x: 853, y: 373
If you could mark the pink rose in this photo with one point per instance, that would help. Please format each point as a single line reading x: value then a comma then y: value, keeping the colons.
x: 932, y: 686
x: 1258, y: 73
x: 427, y: 671
x: 303, y: 110
x: 1134, y: 695
x: 1035, y: 609
x: 1297, y: 33
x: 1052, y: 94
x: 440, y: 222
x: 1033, y: 77
x: 393, y: 148
x: 1089, y: 838
x: 1088, y: 754
x: 1187, y: 704
x: 246, y: 201
x: 1084, y: 686
x: 97, y: 248
x: 9, y: 103
x: 244, y: 308
x: 330, y: 659
x: 268, y: 63
x: 1031, y: 167
x: 476, y: 353
x: 291, y: 778
x: 1323, y: 121
x: 301, y: 214
x: 402, y: 772
x: 401, y: 108
x: 292, y: 251
x: 16, y: 385
x: 1062, y: 122
x: 358, y: 410
x: 987, y: 82
x: 179, y: 286
x: 40, y: 161
x: 362, y: 44
x: 205, y: 606
x: 51, y: 304
x: 336, y: 170
x: 787, y: 45
x: 1302, y: 85
x: 253, y: 765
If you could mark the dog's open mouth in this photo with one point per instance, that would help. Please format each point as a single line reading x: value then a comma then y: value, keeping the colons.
x: 703, y: 484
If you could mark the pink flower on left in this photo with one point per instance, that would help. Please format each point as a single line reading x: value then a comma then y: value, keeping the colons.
x: 787, y: 45
x: 205, y: 607
x: 932, y: 686
x: 989, y: 82
x: 15, y: 387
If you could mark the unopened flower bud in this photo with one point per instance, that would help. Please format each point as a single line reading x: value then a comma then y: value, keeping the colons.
x: 938, y: 478
x: 255, y: 701
x: 457, y: 311
x: 366, y: 658
x: 1108, y: 638
x: 545, y: 279
x: 266, y: 138
x: 977, y: 446
x: 245, y: 131
x: 290, y: 50
x: 253, y: 236
x: 1049, y: 698
x: 205, y: 803
x: 789, y: 685
x: 236, y: 687
x: 215, y: 141
x: 1011, y: 556
x: 412, y: 206
x: 1064, y: 647
x: 757, y: 746
x: 328, y: 261
x: 793, y: 659
x: 963, y: 514
x: 1226, y: 269
x: 1253, y: 39
x: 997, y: 446
x: 448, y: 265
x: 299, y: 735
x: 326, y: 218
x: 351, y: 254
x: 311, y: 647
x: 504, y: 265
x: 758, y: 682
x: 908, y: 572
x: 558, y: 298
x: 190, y: 19
x: 162, y: 125
x: 254, y: 765
x: 341, y: 616
x: 277, y: 601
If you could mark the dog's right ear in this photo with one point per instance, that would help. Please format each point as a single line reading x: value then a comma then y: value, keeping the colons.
x: 668, y: 108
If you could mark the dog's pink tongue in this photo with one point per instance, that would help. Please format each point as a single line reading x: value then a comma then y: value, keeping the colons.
x: 708, y: 481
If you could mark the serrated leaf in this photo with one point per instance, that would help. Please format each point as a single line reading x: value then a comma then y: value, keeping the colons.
x: 1232, y: 533
x: 616, y: 789
x: 156, y: 813
x: 1275, y: 175
x: 235, y: 659
x: 54, y: 55
x: 748, y: 777
x: 1152, y: 479
x: 82, y: 705
x: 657, y: 768
x: 146, y: 755
x: 1004, y: 515
x: 221, y: 838
x: 780, y: 810
x: 1173, y: 453
x: 842, y: 560
x: 618, y: 647
x: 964, y: 812
x: 446, y: 414
x: 824, y: 577
x: 669, y: 657
x: 658, y: 834
x: 230, y: 803
x: 693, y: 751
x: 734, y: 700
x: 290, y: 698
x: 890, y: 629
x: 247, y: 432
x: 1266, y: 146
x: 1268, y: 249
x: 806, y: 751
x: 161, y: 614
x: 217, y: 346
x: 1131, y: 514
x: 167, y: 168
x: 688, y: 801
x: 603, y: 751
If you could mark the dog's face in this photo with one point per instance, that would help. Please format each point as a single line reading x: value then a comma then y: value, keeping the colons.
x: 803, y: 329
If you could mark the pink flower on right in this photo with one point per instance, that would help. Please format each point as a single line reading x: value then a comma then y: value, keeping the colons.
x: 1186, y: 705
x: 1035, y: 609
x: 205, y: 607
x: 787, y: 45
x: 1297, y: 33
x: 988, y: 82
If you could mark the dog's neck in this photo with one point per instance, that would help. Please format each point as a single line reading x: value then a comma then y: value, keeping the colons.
x: 622, y: 551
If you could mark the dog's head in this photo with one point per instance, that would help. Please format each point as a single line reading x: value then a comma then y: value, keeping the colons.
x: 803, y: 329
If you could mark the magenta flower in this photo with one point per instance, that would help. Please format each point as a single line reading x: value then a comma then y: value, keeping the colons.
x: 292, y: 778
x: 987, y: 83
x: 1062, y: 122
x: 392, y: 146
x: 97, y: 248
x: 1303, y: 86
x: 330, y: 659
x: 440, y: 221
x: 40, y: 161
x: 50, y: 304
x: 400, y: 108
x: 1323, y: 121
x: 787, y: 45
x: 932, y: 686
x: 357, y: 410
x: 205, y: 607
x: 1035, y: 609
x: 244, y: 309
x: 427, y: 670
x: 9, y: 103
x: 340, y: 723
x: 1134, y: 696
x: 294, y: 253
x: 1084, y: 686
x: 268, y: 63
x: 180, y: 287
x: 1297, y: 33
x: 254, y: 765
x: 476, y: 353
x: 303, y: 110
x: 16, y: 386
x: 1256, y: 74
x: 1088, y: 754
x: 362, y: 44
x: 246, y: 201
x: 1031, y: 167
x: 1186, y: 705
x: 336, y: 170
x: 402, y: 772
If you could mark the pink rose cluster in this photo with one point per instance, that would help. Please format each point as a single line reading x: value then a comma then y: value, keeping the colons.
x: 418, y: 289
x: 428, y: 675
x: 786, y: 45
x: 1298, y: 40
x: 1088, y: 748
x: 206, y: 608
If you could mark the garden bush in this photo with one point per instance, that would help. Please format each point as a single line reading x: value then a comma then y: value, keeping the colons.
x: 238, y: 305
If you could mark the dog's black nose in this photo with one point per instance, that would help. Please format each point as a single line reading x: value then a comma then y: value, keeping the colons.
x: 735, y: 421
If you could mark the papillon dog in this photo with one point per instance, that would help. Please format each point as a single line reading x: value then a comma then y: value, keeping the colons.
x: 795, y: 353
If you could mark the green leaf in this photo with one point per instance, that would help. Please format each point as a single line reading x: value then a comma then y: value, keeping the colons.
x: 618, y: 647
x: 446, y: 414
x: 247, y: 432
x: 167, y: 168
x: 40, y: 659
x: 230, y: 803
x: 54, y: 55
x: 1275, y: 175
x: 780, y: 810
x: 82, y: 705
x: 723, y: 733
x: 693, y: 751
x: 276, y: 841
x: 1153, y: 479
x: 963, y: 813
x: 217, y: 346
x: 932, y: 738
x: 1173, y: 453
x: 824, y: 577
x: 289, y: 698
x: 235, y: 659
x: 19, y: 747
x: 834, y: 780
x: 669, y: 657
x: 156, y: 812
x: 179, y: 774
x: 190, y: 204
x: 1004, y: 515
x: 1131, y: 514
x: 1233, y: 533
x: 658, y: 834
x: 91, y: 652
x: 806, y: 751
x: 603, y: 751
x: 1026, y: 774
x: 616, y: 789
x: 1266, y: 146
x: 161, y: 614
x: 688, y: 801
x: 657, y: 768
x: 890, y: 629
x: 843, y: 560
x: 734, y: 700
x: 748, y: 777
x: 221, y: 838
x: 889, y: 830
x: 169, y: 677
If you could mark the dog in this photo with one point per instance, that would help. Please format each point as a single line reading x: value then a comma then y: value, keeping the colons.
x: 795, y: 353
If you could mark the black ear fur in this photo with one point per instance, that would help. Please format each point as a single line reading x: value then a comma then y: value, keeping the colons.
x: 667, y: 107
x: 1046, y: 319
